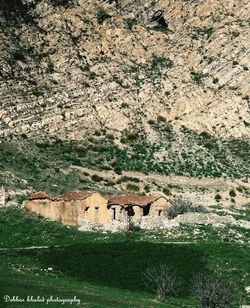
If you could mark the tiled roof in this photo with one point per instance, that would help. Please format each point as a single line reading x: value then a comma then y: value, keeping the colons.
x: 76, y: 195
x: 39, y: 195
x: 56, y: 198
x: 68, y: 196
x: 129, y: 200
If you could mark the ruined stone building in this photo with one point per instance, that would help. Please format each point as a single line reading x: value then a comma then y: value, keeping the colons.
x: 136, y: 206
x: 72, y: 208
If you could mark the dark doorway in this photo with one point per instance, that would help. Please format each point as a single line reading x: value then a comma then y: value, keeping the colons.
x: 114, y: 213
x: 146, y: 210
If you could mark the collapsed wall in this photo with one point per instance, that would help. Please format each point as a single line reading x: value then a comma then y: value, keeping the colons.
x: 161, y: 223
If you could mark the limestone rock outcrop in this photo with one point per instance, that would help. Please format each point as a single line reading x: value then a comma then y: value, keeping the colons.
x: 68, y: 68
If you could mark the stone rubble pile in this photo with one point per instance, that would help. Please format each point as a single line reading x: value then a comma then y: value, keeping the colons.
x: 151, y: 223
x: 116, y: 226
x: 87, y: 226
x: 211, y: 218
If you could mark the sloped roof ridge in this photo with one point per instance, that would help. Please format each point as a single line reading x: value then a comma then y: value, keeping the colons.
x: 126, y: 200
x: 77, y: 195
x: 39, y: 195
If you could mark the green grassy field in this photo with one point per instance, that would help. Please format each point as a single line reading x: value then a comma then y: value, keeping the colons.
x: 103, y: 269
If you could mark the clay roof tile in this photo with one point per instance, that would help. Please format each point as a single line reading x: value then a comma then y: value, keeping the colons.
x: 130, y: 200
x: 76, y: 195
x: 39, y: 195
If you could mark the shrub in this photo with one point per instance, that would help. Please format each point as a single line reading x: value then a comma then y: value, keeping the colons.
x: 198, y: 33
x: 18, y: 56
x: 161, y: 63
x: 240, y: 189
x: 167, y: 191
x: 102, y: 15
x: 215, y: 80
x: 218, y: 197
x: 132, y: 136
x: 96, y: 178
x: 232, y: 193
x: 198, y: 77
x: 110, y: 136
x: 213, y: 291
x: 128, y: 178
x: 110, y: 183
x: 81, y: 150
x: 161, y: 119
x: 180, y: 206
x: 151, y: 122
x: 20, y: 199
x: 14, y: 8
x: 124, y: 105
x: 64, y: 3
x: 162, y: 280
x: 97, y: 132
x: 132, y: 227
x: 132, y: 187
x: 83, y: 180
x: 118, y: 170
x: 24, y: 135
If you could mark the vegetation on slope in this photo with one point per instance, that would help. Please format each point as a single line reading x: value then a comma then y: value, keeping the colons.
x: 43, y: 165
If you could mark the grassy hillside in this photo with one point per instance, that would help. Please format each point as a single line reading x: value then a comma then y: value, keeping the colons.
x: 104, y: 270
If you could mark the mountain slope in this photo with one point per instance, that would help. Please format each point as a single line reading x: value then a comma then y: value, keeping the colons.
x: 149, y: 86
x: 70, y: 67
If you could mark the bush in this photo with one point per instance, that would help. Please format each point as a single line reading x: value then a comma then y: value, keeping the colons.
x: 159, y: 62
x: 180, y: 206
x: 218, y: 197
x: 162, y: 280
x: 97, y: 132
x: 167, y: 191
x: 64, y: 3
x: 96, y: 178
x: 128, y: 178
x: 151, y: 122
x: 198, y: 77
x: 110, y: 136
x: 213, y: 291
x: 161, y: 119
x: 132, y: 136
x: 133, y: 188
x: 102, y: 15
x: 14, y: 8
x: 232, y: 193
x: 118, y: 170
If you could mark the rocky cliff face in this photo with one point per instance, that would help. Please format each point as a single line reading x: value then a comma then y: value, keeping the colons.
x: 69, y: 68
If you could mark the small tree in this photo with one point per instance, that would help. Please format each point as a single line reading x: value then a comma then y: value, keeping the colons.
x: 218, y: 197
x: 162, y: 280
x: 213, y: 291
x: 180, y: 206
